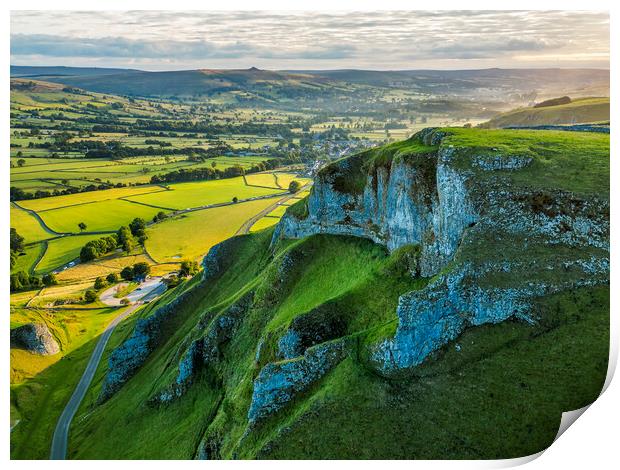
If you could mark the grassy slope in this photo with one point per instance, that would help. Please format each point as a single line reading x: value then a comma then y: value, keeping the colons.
x: 583, y: 110
x: 508, y: 380
x: 41, y: 385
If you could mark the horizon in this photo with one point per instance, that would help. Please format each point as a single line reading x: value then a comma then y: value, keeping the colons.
x: 315, y: 40
x: 313, y: 70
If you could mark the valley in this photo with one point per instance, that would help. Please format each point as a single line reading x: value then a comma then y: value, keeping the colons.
x: 399, y: 255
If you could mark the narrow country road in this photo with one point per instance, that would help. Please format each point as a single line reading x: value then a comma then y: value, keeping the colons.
x: 247, y: 225
x: 149, y: 290
x: 61, y: 433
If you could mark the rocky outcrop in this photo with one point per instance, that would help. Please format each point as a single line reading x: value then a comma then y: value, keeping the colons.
x: 445, y: 203
x: 207, y: 350
x: 425, y: 204
x: 279, y: 382
x: 126, y: 359
x: 35, y: 338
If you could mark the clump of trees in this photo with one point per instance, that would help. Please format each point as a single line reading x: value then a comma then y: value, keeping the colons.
x: 188, y: 268
x: 294, y: 186
x: 137, y: 271
x: 99, y: 247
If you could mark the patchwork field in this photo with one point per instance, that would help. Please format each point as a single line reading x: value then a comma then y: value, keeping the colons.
x: 100, y: 216
x: 62, y: 250
x: 190, y: 236
x: 186, y: 195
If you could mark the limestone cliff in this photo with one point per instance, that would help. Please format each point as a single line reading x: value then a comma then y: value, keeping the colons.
x: 36, y: 338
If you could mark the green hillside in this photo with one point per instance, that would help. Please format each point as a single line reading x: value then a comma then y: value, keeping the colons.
x: 273, y: 354
x: 582, y: 110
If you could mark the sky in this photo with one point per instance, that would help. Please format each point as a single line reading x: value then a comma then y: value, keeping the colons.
x: 381, y: 40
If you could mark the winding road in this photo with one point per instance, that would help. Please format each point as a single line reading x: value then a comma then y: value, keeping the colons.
x: 149, y: 290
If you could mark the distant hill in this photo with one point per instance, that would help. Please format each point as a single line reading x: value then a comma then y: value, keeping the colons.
x: 27, y: 71
x: 577, y: 111
x: 268, y: 85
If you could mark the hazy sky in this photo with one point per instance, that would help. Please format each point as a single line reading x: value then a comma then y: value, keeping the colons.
x: 160, y: 40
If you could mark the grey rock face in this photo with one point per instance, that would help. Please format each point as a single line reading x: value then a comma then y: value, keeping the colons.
x: 126, y: 359
x: 279, y: 382
x: 206, y: 350
x: 400, y: 206
x: 395, y: 209
x: 36, y: 338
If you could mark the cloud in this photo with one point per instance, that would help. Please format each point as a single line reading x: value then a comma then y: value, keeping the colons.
x: 271, y: 39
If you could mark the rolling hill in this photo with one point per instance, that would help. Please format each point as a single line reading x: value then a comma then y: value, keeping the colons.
x: 578, y: 111
x: 441, y: 297
x: 325, y: 84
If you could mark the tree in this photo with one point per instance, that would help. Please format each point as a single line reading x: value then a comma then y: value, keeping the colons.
x: 82, y: 226
x: 21, y: 162
x: 235, y: 199
x: 213, y: 164
x: 293, y: 187
x: 161, y: 215
x: 112, y: 278
x: 88, y: 253
x: 127, y: 273
x: 188, y: 268
x: 125, y: 239
x: 100, y: 283
x: 49, y: 280
x: 141, y: 269
x: 90, y: 296
x: 137, y: 227
x: 16, y: 241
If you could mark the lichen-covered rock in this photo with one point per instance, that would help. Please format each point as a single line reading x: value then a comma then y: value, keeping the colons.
x: 279, y: 382
x: 126, y: 359
x: 399, y: 207
x: 207, y: 349
x: 36, y: 338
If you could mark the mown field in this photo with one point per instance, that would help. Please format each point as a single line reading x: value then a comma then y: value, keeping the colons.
x: 189, y: 236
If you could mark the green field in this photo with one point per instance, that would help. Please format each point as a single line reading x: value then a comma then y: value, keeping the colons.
x: 582, y: 110
x: 264, y: 222
x: 98, y: 216
x: 48, y: 203
x: 26, y: 260
x: 186, y: 195
x: 62, y: 250
x: 27, y: 225
x: 189, y: 236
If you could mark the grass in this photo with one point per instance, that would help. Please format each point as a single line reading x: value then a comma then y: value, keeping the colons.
x: 264, y: 223
x: 186, y: 195
x: 41, y: 385
x: 27, y: 226
x: 26, y: 260
x: 189, y: 236
x: 62, y: 250
x: 56, y: 202
x: 262, y: 179
x: 570, y: 161
x: 112, y: 263
x: 583, y: 110
x: 107, y: 215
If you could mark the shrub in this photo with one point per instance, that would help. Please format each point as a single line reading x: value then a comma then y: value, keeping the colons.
x: 50, y: 279
x: 294, y: 186
x: 127, y: 273
x: 90, y: 296
x: 100, y: 283
x: 188, y: 268
x: 141, y: 269
x: 125, y: 301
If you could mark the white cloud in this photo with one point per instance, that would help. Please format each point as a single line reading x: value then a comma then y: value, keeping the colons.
x: 385, y: 39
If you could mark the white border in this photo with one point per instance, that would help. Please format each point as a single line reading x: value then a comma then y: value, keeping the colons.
x: 591, y: 442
